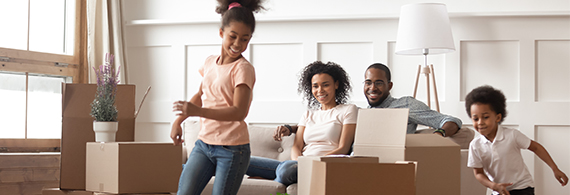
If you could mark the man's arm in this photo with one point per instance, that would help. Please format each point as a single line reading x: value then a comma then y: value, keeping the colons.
x: 420, y: 113
x: 450, y: 128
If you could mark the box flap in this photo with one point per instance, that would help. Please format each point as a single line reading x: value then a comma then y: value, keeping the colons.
x: 77, y: 99
x: 428, y: 140
x: 381, y: 127
x: 77, y: 128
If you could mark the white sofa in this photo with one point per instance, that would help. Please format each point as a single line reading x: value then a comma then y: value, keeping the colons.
x: 262, y: 144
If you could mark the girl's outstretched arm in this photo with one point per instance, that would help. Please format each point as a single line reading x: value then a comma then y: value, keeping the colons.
x: 237, y: 112
x: 346, y: 139
x: 541, y: 152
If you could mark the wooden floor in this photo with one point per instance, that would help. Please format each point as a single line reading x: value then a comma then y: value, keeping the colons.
x: 28, y: 173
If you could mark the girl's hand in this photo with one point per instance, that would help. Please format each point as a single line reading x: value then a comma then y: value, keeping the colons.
x: 176, y: 134
x: 501, y: 188
x: 561, y: 177
x: 183, y: 108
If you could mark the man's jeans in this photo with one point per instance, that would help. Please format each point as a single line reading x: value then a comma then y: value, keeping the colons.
x: 283, y: 172
x: 227, y: 163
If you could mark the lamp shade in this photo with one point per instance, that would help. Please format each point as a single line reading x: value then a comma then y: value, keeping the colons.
x: 424, y: 26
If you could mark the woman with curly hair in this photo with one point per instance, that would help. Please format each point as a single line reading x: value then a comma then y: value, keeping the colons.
x: 327, y: 127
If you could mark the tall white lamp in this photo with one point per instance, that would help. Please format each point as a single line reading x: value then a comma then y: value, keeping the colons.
x: 424, y: 29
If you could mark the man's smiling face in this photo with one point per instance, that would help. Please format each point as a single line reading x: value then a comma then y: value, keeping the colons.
x: 376, y: 86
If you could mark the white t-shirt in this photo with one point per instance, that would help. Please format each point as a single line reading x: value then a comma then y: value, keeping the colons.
x: 323, y: 128
x: 501, y: 159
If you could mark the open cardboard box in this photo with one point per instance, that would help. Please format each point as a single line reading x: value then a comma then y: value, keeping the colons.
x: 439, y: 162
x: 133, y: 167
x: 382, y: 133
x: 77, y: 128
x: 354, y: 175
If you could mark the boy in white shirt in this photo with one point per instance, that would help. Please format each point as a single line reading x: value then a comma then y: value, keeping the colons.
x: 495, y: 155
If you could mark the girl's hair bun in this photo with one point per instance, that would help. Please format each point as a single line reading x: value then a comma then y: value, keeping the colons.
x: 252, y: 5
x: 240, y: 13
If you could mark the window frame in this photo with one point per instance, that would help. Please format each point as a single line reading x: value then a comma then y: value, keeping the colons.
x: 75, y: 66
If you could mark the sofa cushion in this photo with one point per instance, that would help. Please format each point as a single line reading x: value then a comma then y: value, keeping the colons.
x: 292, y: 189
x: 262, y: 143
x: 260, y: 138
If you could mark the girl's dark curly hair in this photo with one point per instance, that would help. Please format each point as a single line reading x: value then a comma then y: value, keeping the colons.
x: 239, y: 14
x: 330, y: 68
x: 490, y: 96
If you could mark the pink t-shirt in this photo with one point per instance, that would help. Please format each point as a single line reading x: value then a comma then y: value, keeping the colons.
x: 218, y: 85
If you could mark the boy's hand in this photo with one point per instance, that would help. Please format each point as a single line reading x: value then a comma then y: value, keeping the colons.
x: 501, y: 188
x: 561, y: 177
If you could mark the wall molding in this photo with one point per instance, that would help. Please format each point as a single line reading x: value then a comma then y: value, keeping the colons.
x: 268, y: 19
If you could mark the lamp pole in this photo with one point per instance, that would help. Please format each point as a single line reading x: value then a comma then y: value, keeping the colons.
x: 426, y: 71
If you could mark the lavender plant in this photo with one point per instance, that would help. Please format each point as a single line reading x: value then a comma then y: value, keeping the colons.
x: 103, y: 107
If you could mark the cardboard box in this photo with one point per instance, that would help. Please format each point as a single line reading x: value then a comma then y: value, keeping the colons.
x: 438, y: 170
x: 381, y: 131
x: 133, y: 167
x: 381, y: 127
x: 77, y: 128
x: 332, y: 176
x: 389, y: 154
x: 439, y: 164
x: 57, y: 191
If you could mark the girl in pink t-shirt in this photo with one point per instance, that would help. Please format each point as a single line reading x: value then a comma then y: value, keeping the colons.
x: 222, y: 103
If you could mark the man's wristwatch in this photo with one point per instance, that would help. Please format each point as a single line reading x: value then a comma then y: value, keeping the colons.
x: 289, y: 127
x: 440, y: 131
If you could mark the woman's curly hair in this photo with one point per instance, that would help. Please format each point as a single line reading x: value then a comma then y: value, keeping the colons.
x: 490, y: 96
x: 335, y: 71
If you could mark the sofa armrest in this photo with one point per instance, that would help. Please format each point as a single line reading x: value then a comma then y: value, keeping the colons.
x: 463, y: 137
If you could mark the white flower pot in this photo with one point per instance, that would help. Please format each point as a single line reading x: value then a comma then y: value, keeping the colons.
x: 105, y: 131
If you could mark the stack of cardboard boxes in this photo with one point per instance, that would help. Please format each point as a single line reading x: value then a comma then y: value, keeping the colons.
x: 124, y: 166
x: 381, y: 133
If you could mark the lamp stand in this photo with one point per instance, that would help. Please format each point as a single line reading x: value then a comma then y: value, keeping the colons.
x: 427, y: 70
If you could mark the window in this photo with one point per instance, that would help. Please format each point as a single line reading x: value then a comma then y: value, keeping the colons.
x: 40, y: 50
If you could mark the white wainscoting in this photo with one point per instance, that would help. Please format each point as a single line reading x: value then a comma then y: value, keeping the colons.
x: 525, y: 54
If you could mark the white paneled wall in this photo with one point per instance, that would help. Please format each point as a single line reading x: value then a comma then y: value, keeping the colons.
x: 520, y: 47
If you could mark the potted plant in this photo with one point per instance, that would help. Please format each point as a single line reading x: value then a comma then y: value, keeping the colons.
x: 103, y: 108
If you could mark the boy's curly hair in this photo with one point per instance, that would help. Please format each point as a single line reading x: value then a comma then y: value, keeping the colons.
x: 330, y: 68
x: 490, y: 96
x: 239, y: 14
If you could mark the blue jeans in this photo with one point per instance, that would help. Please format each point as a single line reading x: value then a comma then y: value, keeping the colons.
x: 227, y: 163
x: 283, y: 172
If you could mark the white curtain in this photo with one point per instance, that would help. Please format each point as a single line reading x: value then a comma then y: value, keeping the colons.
x: 104, y: 35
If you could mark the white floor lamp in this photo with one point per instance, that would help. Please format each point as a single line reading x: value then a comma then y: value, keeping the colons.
x: 424, y: 29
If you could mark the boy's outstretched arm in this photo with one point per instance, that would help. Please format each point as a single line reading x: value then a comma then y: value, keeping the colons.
x: 541, y: 152
x: 483, y: 179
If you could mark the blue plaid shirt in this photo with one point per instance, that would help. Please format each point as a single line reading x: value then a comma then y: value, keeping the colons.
x: 420, y: 113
